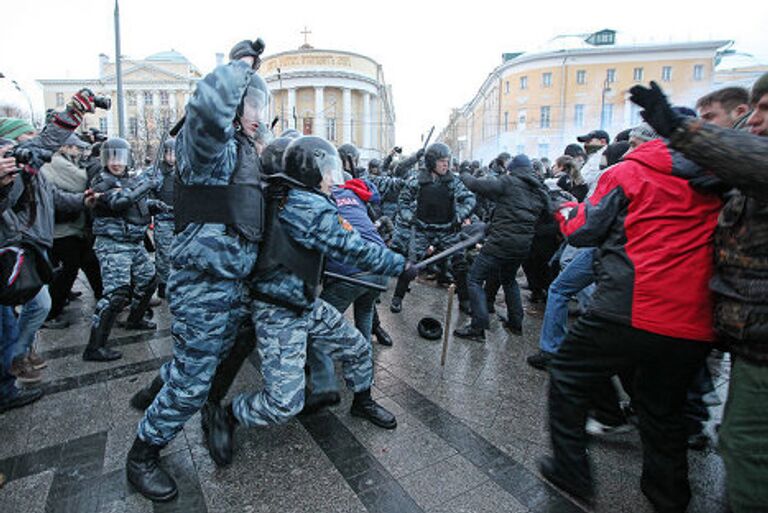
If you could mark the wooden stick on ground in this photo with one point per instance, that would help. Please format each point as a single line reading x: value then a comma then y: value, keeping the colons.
x: 448, y: 315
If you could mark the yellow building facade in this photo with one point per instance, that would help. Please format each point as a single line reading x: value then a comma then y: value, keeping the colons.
x: 537, y: 103
x: 341, y: 96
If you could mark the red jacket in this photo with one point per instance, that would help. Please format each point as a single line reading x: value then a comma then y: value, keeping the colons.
x: 655, y: 245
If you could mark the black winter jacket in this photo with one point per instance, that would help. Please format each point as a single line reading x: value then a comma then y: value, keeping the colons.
x: 520, y: 200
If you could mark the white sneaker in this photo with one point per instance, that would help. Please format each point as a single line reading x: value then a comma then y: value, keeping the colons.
x: 596, y: 428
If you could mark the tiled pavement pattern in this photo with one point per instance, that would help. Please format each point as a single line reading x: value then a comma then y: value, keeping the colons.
x: 467, y: 441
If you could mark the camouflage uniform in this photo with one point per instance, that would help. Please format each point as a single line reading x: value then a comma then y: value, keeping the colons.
x: 285, y: 312
x: 123, y: 259
x: 164, y: 224
x: 439, y: 235
x: 206, y: 287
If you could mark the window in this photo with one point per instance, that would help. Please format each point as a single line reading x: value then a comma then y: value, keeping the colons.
x: 634, y: 114
x: 521, y: 119
x: 506, y: 87
x: 163, y: 97
x: 148, y: 97
x: 581, y: 77
x: 59, y: 99
x: 166, y: 123
x: 103, y: 125
x: 578, y: 116
x: 698, y: 72
x: 607, y: 115
x: 131, y: 99
x: 666, y: 73
x: 506, y: 121
x: 545, y: 119
x: 610, y: 76
x: 546, y: 79
x: 637, y: 74
x: 523, y: 82
x: 543, y: 150
x: 331, y: 129
x: 133, y: 127
x: 520, y: 149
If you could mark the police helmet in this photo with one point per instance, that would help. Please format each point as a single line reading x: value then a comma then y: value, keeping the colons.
x: 309, y: 159
x: 435, y: 152
x: 349, y: 152
x: 374, y: 164
x: 116, y: 150
x: 272, y: 156
x: 291, y: 133
x: 254, y: 107
x: 430, y: 328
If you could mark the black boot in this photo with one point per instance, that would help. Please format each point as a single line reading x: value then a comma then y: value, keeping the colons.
x: 382, y: 337
x: 365, y: 407
x: 220, y: 435
x: 161, y: 291
x: 396, y: 306
x: 582, y: 490
x: 470, y: 332
x: 145, y: 473
x: 95, y: 350
x: 136, y: 320
x: 316, y: 402
x: 144, y: 397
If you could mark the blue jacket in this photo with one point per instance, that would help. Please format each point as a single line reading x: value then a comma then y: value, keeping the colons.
x: 313, y: 221
x: 354, y: 209
x: 206, y: 154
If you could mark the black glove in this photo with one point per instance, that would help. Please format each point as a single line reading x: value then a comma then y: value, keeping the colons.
x: 420, y: 154
x: 657, y: 111
x: 248, y: 48
x: 410, y: 272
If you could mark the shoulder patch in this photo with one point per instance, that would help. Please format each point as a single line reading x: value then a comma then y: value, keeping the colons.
x: 345, y: 224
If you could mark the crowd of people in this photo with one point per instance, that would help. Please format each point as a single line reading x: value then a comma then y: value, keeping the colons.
x: 651, y: 240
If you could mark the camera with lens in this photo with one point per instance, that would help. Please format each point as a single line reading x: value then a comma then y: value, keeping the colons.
x: 102, y: 102
x: 398, y: 149
x: 25, y: 156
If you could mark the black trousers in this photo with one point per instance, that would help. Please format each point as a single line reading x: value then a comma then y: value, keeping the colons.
x: 72, y: 253
x: 664, y: 367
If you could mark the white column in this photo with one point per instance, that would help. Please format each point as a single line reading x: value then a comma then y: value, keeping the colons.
x: 366, y: 120
x: 376, y: 122
x: 346, y: 100
x: 291, y: 106
x: 319, y: 126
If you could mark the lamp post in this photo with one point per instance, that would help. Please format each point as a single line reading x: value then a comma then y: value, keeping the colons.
x: 606, y: 88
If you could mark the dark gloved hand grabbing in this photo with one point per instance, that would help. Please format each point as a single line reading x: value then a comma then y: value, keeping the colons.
x: 657, y: 111
x: 248, y: 48
x: 410, y: 272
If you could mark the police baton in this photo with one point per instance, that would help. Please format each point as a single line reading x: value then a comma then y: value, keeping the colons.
x: 355, y: 281
x: 426, y: 143
x: 450, y: 251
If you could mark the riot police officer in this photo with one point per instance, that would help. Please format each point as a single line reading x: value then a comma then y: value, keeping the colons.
x: 120, y: 221
x: 164, y: 224
x: 435, y: 203
x: 303, y: 227
x: 218, y: 210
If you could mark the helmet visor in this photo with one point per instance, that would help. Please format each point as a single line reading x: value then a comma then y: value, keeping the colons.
x: 332, y: 171
x: 255, y: 106
x: 115, y: 156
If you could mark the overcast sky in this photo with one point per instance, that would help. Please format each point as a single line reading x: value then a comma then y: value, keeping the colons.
x: 434, y: 54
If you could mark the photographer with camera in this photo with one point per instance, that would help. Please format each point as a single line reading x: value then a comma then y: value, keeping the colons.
x: 72, y: 248
x: 28, y: 204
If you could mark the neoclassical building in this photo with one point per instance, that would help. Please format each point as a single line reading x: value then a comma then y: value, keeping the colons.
x: 539, y: 101
x: 339, y: 95
x: 156, y: 90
